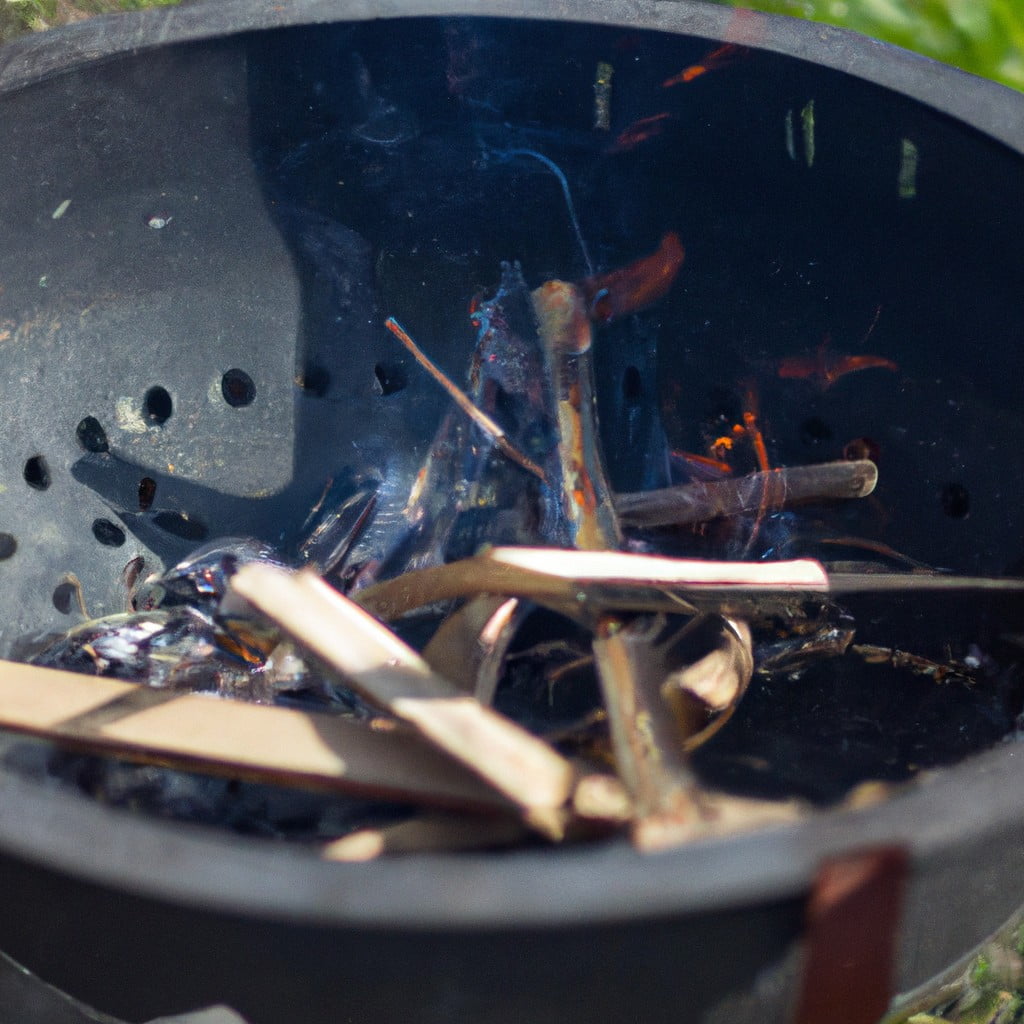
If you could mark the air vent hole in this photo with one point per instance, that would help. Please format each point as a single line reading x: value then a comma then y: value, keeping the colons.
x: 64, y: 597
x: 91, y: 435
x: 147, y: 492
x: 37, y: 473
x: 107, y: 533
x: 157, y: 406
x: 238, y: 388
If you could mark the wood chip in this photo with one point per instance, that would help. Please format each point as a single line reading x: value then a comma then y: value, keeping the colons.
x: 721, y: 675
x: 715, y: 814
x: 469, y: 647
x: 602, y: 798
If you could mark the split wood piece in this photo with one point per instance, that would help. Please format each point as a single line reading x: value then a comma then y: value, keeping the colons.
x: 193, y: 732
x: 584, y: 584
x: 645, y: 733
x: 469, y: 647
x: 384, y: 670
x: 636, y: 662
x: 586, y: 495
x: 660, y: 682
x: 428, y: 833
x: 701, y: 501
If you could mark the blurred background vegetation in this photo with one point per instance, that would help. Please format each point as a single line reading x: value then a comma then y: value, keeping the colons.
x: 17, y: 16
x: 985, y: 37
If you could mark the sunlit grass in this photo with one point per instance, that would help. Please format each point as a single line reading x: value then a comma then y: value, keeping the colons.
x: 42, y: 14
x: 985, y: 37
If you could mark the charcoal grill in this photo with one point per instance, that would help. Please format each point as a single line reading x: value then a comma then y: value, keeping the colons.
x: 206, y: 214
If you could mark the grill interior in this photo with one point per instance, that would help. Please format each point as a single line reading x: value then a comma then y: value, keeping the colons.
x: 203, y: 243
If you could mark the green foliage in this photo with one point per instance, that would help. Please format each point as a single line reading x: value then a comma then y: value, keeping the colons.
x: 985, y: 37
x: 981, y: 971
x: 41, y: 14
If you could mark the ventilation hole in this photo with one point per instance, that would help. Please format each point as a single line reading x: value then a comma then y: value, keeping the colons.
x: 157, y: 405
x: 237, y: 388
x: 956, y: 502
x: 314, y: 380
x: 178, y: 524
x: 814, y: 430
x: 132, y: 572
x: 632, y: 386
x: 147, y: 492
x: 390, y: 378
x: 63, y: 596
x: 107, y: 533
x: 91, y: 435
x: 8, y: 545
x: 862, y: 448
x: 37, y: 473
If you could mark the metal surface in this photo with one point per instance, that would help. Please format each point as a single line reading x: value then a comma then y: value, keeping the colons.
x: 234, y: 204
x: 983, y: 104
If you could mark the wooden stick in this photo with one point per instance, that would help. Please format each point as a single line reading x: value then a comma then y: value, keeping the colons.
x: 915, y: 582
x: 704, y: 500
x: 635, y: 662
x: 459, y: 397
x: 193, y: 732
x: 646, y: 737
x: 586, y: 495
x: 585, y: 583
x: 377, y: 664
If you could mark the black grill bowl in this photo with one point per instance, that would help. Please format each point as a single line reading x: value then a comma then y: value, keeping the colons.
x: 193, y: 345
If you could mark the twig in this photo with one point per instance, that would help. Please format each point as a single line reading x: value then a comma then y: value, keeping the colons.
x: 646, y: 735
x: 701, y: 501
x: 478, y: 416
